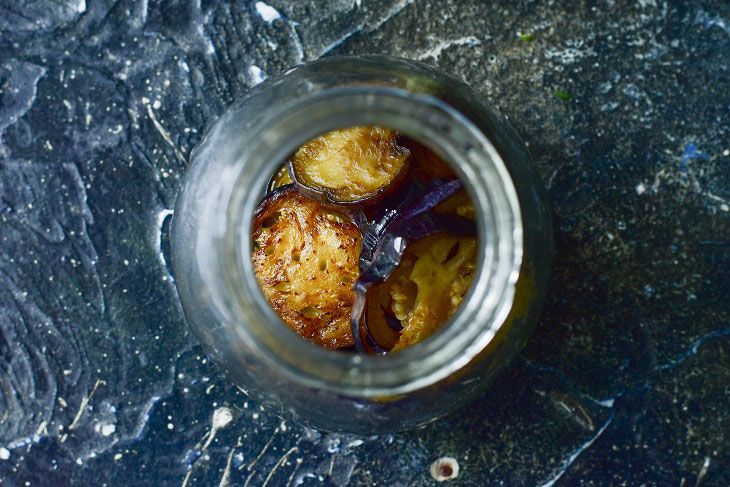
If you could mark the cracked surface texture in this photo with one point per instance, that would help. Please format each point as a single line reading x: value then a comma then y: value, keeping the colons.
x: 624, y: 107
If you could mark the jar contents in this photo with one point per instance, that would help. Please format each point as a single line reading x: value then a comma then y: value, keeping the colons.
x: 305, y: 258
x: 372, y: 245
x: 350, y: 165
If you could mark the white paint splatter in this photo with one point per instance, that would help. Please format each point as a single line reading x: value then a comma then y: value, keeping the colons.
x: 568, y: 55
x: 267, y: 12
x: 222, y: 417
x: 106, y: 429
x: 257, y: 76
x: 436, y: 51
x: 4, y: 453
x: 640, y: 188
x: 80, y: 6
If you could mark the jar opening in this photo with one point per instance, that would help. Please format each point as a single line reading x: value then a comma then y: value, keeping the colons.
x: 499, y: 231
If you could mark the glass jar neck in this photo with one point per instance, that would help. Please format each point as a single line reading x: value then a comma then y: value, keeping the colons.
x: 453, y: 137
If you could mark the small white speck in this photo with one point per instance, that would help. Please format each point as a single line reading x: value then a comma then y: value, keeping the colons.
x: 640, y: 188
x: 67, y: 372
x: 726, y: 152
x: 255, y: 415
x: 156, y: 105
x: 145, y: 100
x: 4, y: 453
x: 118, y: 456
x: 267, y: 12
x: 170, y: 426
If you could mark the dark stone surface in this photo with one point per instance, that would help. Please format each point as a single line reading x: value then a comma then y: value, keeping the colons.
x: 625, y: 107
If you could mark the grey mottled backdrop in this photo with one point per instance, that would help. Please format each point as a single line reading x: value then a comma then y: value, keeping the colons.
x: 625, y: 106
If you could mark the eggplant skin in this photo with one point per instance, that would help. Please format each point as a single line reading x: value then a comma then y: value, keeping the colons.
x: 305, y: 258
x: 280, y: 178
x: 351, y: 165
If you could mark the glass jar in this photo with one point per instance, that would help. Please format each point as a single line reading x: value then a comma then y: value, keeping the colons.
x: 340, y: 391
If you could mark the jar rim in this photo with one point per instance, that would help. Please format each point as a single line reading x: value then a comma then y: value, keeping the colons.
x: 435, y: 123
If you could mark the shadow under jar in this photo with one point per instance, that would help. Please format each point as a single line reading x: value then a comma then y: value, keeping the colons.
x: 335, y: 390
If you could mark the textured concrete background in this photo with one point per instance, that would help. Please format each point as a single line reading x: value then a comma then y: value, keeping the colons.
x: 625, y: 106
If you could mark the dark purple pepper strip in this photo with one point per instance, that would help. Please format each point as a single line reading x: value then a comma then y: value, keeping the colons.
x: 415, y: 200
x: 429, y: 200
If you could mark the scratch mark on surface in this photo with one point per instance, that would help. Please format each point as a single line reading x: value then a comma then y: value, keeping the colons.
x: 263, y: 450
x: 278, y: 464
x: 84, y: 403
x: 248, y: 479
x: 187, y: 478
x: 573, y: 408
x: 695, y: 347
x: 703, y: 471
x: 725, y: 206
x: 145, y: 416
x: 573, y: 456
x: 395, y: 10
x: 297, y: 42
x: 296, y: 467
x: 226, y: 479
x: 40, y: 432
x: 435, y: 52
x: 165, y: 135
x: 339, y: 41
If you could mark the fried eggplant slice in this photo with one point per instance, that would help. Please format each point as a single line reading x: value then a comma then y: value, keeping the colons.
x: 305, y: 258
x: 280, y: 178
x: 349, y: 166
x: 423, y: 293
x: 443, y: 266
